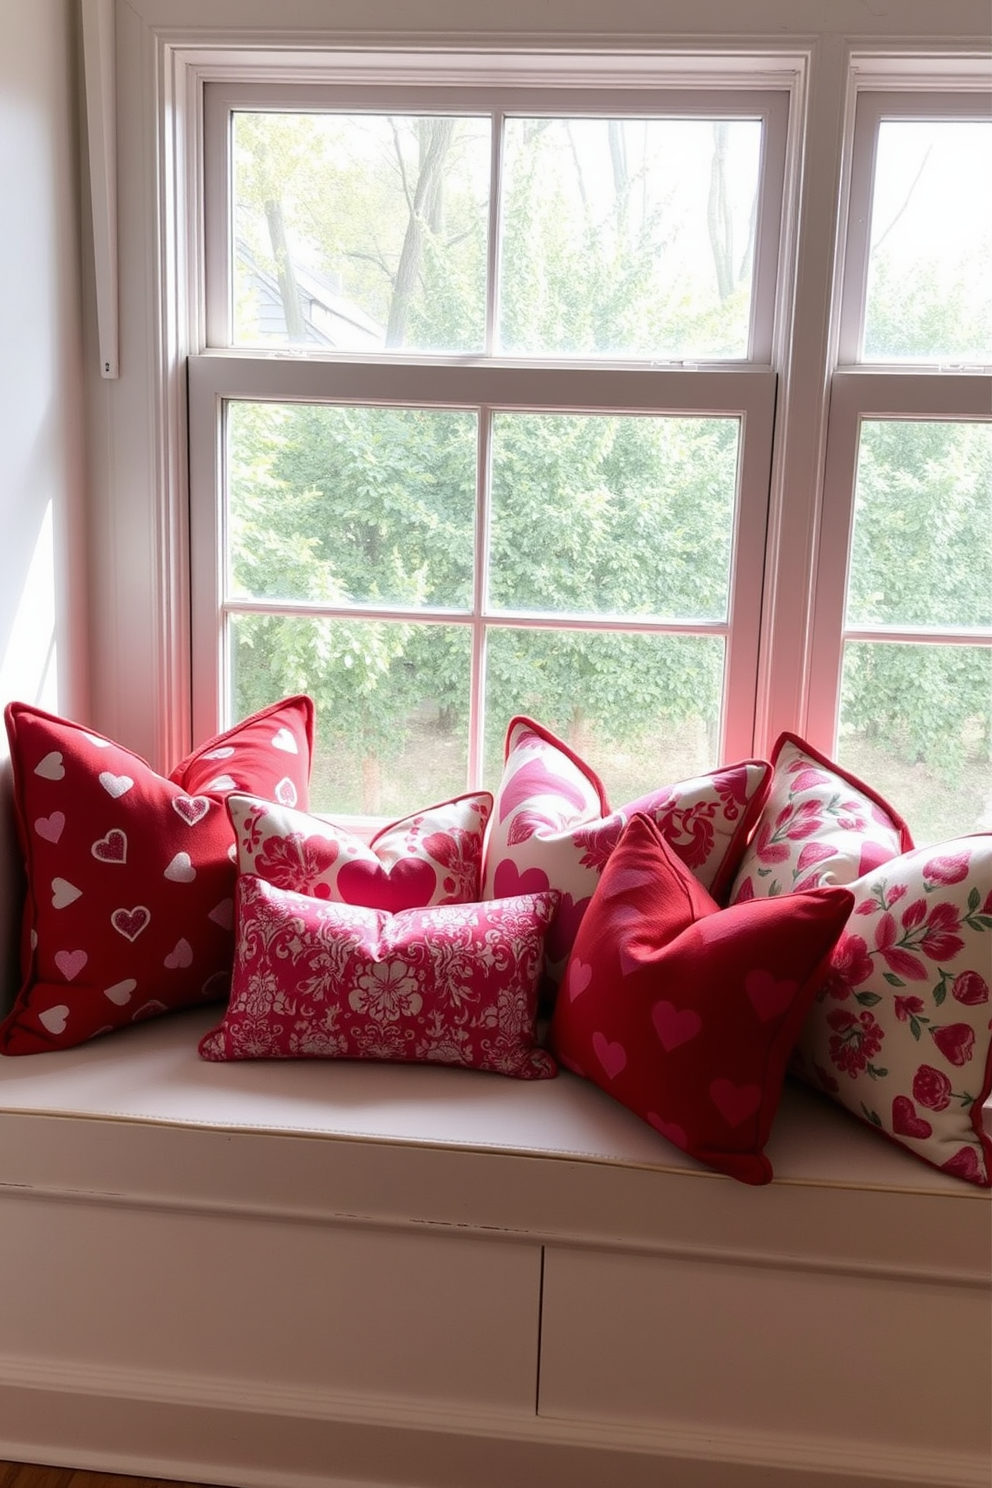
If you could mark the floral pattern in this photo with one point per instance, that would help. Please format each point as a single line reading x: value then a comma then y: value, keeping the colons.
x: 432, y: 857
x: 902, y: 1027
x: 447, y: 985
x: 819, y: 826
x: 553, y: 827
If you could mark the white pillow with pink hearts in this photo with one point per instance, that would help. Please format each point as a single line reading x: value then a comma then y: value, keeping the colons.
x: 432, y: 857
x: 552, y: 827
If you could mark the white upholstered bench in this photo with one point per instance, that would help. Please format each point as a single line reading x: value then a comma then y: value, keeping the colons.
x: 340, y: 1273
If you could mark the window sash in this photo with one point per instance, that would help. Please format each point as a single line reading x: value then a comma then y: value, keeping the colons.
x: 749, y: 395
x: 858, y: 396
x: 771, y: 106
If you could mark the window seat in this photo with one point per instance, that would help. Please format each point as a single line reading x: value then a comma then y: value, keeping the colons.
x: 340, y: 1273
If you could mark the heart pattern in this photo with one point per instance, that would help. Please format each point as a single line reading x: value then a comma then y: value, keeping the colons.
x: 578, y: 978
x: 284, y: 740
x: 64, y: 893
x: 111, y: 848
x: 51, y: 827
x: 735, y: 1102
x: 675, y: 1026
x: 769, y: 997
x: 115, y: 785
x: 131, y: 922
x: 91, y: 816
x: 611, y: 1055
x: 52, y: 767
x: 192, y: 809
x: 120, y: 993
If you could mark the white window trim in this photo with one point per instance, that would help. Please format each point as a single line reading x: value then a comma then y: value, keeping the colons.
x: 166, y: 49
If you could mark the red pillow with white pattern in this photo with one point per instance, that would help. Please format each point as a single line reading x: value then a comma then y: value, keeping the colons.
x: 901, y: 1033
x: 431, y: 857
x: 553, y: 827
x: 130, y: 893
x: 685, y: 1012
x: 819, y: 825
x: 453, y: 984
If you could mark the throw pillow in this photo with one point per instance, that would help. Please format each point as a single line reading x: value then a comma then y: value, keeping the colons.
x: 431, y: 857
x: 130, y: 887
x: 901, y: 1033
x: 819, y: 825
x: 686, y: 1012
x: 453, y: 984
x: 553, y: 827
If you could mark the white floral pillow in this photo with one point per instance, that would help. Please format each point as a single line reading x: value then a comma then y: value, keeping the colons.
x: 901, y: 1032
x: 819, y: 825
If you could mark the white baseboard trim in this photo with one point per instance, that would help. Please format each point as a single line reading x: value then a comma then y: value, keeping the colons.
x: 249, y: 1435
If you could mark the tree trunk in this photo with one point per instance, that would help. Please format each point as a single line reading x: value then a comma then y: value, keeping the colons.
x: 295, y: 325
x: 425, y: 216
x: 371, y: 785
x: 718, y: 219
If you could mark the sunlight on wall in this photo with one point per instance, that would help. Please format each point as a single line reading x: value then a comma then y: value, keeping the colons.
x: 27, y: 669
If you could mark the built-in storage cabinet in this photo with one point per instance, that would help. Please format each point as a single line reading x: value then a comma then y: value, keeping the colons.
x: 673, y: 1343
x: 352, y: 1311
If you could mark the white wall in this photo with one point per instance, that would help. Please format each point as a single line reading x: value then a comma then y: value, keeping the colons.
x: 42, y: 626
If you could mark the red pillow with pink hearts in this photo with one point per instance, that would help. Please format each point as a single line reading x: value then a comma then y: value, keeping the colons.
x: 431, y: 857
x: 449, y: 984
x: 819, y: 825
x: 553, y: 827
x: 901, y: 1033
x: 130, y: 876
x: 686, y: 1012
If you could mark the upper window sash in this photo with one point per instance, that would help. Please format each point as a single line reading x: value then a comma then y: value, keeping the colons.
x: 769, y: 105
x: 873, y: 107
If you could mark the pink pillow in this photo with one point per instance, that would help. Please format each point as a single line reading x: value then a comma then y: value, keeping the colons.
x: 130, y: 886
x: 553, y: 827
x: 685, y: 1012
x: 820, y: 825
x: 455, y: 984
x: 900, y: 1033
x: 431, y: 857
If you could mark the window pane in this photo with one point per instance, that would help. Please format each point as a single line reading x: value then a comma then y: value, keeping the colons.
x: 916, y: 721
x: 350, y: 505
x: 644, y: 710
x: 929, y: 290
x: 922, y: 545
x: 599, y: 515
x: 360, y: 231
x: 629, y: 237
x: 391, y: 699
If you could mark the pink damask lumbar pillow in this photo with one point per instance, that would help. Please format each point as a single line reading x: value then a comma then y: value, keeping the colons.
x: 553, y: 827
x: 901, y: 1032
x: 433, y: 856
x: 130, y: 876
x: 453, y: 984
x: 819, y: 825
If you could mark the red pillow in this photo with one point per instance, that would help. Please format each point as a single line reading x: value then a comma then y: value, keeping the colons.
x: 685, y: 1012
x: 130, y: 888
x: 451, y: 984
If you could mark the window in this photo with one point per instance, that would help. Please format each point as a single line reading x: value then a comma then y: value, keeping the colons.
x: 903, y: 643
x: 513, y: 396
x: 484, y: 423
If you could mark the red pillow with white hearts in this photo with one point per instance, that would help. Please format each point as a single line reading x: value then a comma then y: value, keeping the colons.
x: 685, y: 1012
x: 431, y: 857
x: 130, y: 888
x: 553, y: 827
x: 451, y: 984
x: 901, y: 1033
x: 820, y: 825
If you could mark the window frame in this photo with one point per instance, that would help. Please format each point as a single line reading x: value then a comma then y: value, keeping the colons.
x: 742, y: 388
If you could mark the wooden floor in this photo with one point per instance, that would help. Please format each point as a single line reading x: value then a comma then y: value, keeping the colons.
x: 19, y: 1475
